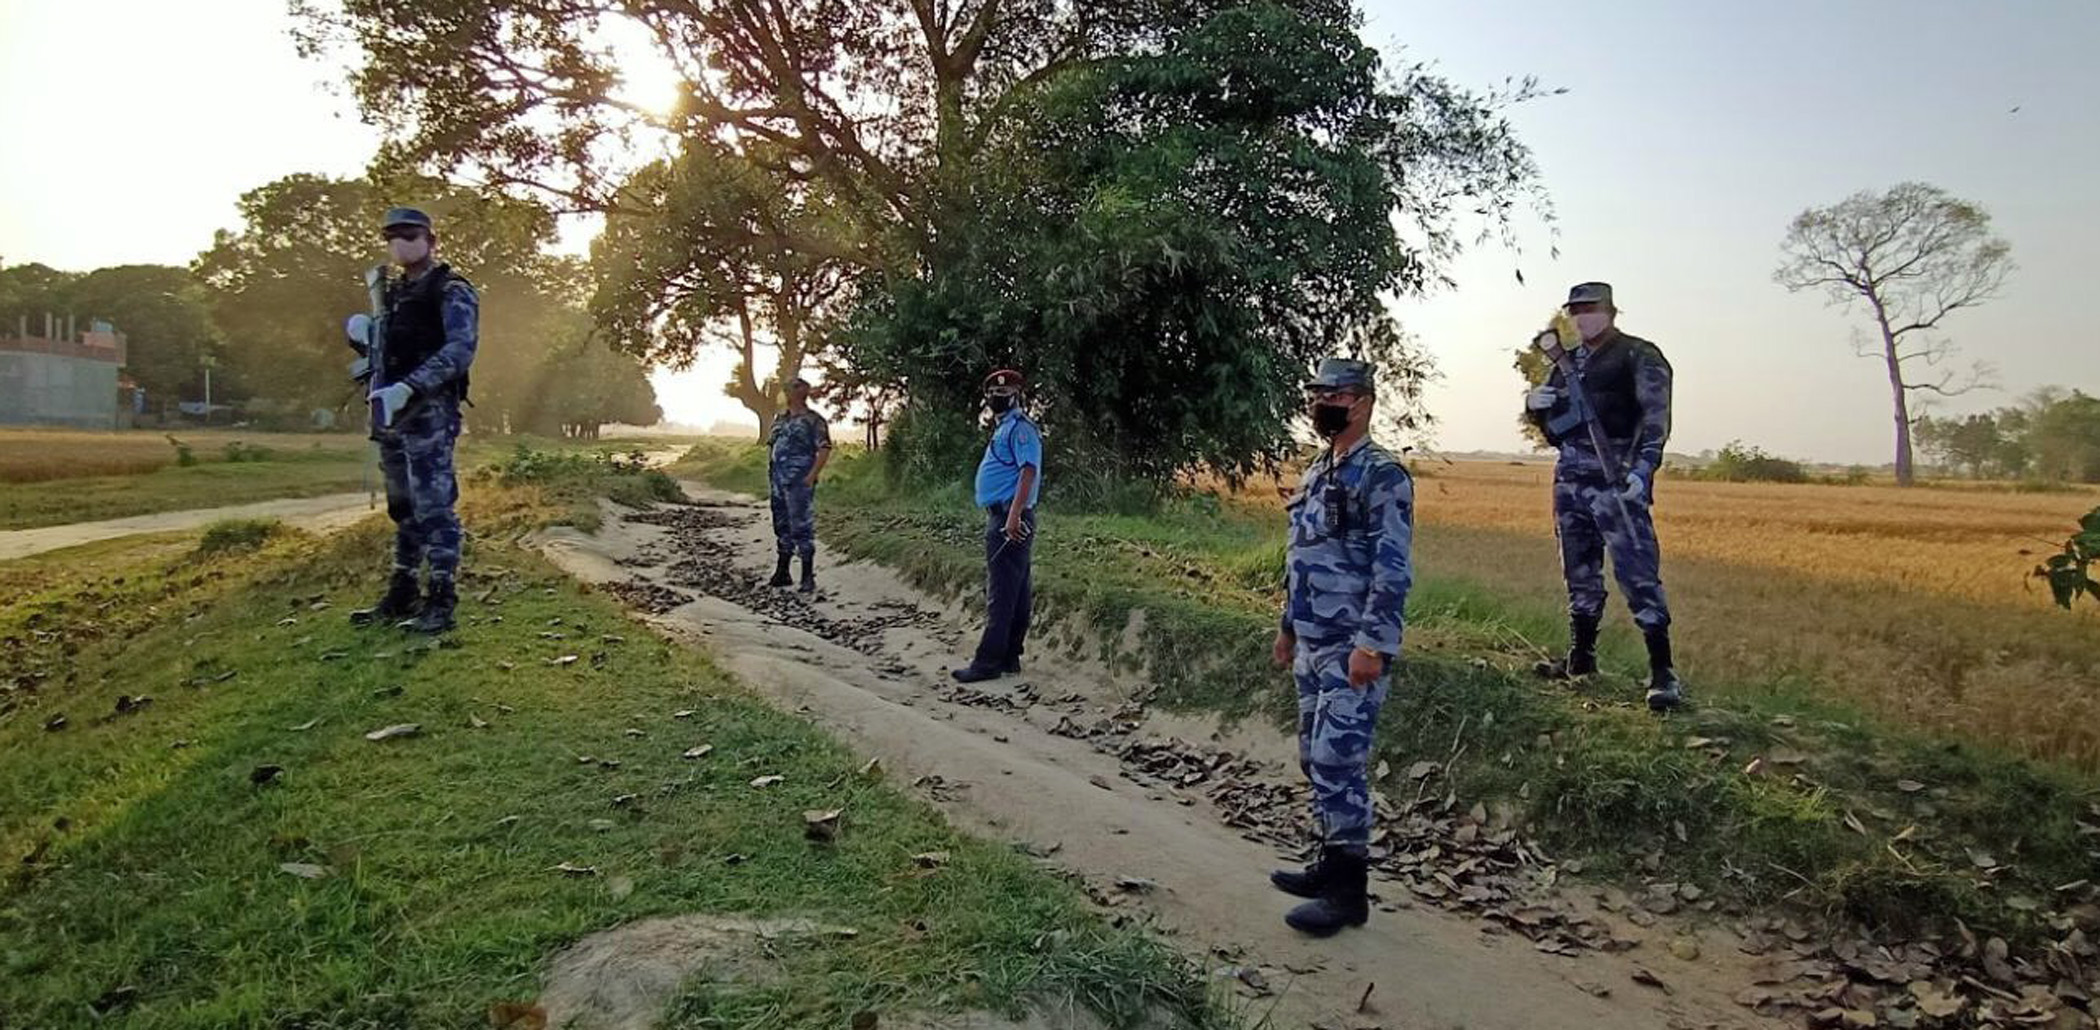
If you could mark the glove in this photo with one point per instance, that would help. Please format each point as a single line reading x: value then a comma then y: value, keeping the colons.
x: 1636, y: 487
x: 1542, y: 398
x: 391, y: 400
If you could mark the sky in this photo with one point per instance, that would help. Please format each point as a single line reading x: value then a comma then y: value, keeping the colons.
x: 1689, y: 135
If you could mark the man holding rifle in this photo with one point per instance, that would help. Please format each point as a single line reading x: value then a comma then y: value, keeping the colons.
x: 1606, y: 406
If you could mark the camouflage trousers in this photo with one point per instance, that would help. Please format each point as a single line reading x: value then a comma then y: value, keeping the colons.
x: 1590, y: 519
x: 1335, y: 724
x: 794, y: 511
x: 415, y: 457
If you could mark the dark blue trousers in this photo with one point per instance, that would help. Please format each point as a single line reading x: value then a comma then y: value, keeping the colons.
x: 1008, y: 597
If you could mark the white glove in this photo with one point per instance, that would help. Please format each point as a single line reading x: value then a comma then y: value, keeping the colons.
x: 391, y: 400
x: 359, y: 330
x: 1542, y: 398
x: 1636, y: 487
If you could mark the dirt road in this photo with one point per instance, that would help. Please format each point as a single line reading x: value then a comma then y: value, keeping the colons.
x: 868, y: 658
x: 318, y: 514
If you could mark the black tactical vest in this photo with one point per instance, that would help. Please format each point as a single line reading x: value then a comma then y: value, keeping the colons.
x: 1608, y: 378
x: 415, y: 324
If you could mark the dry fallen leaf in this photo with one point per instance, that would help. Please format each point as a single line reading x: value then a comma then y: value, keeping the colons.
x: 683, y: 713
x: 406, y: 729
x: 871, y: 770
x: 930, y: 859
x: 1909, y: 786
x: 304, y: 870
x: 1647, y: 979
x: 699, y: 752
x: 477, y: 722
x: 571, y: 869
x: 767, y: 781
x: 512, y: 1015
x: 821, y: 825
x: 307, y: 725
x: 567, y: 659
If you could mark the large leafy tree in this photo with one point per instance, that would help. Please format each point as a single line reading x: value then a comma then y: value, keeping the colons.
x: 1911, y: 256
x: 704, y: 254
x: 282, y: 285
x: 1168, y: 210
x: 164, y: 317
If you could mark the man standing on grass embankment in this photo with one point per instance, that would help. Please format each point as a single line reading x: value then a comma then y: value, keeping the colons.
x: 1346, y: 577
x: 1009, y: 479
x: 427, y: 333
x: 1610, y: 427
x: 800, y: 444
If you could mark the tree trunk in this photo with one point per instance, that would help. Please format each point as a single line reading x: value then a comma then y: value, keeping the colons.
x: 744, y: 383
x: 1897, y: 387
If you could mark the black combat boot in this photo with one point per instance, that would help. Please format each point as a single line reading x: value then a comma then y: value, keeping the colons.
x: 1306, y: 884
x: 401, y: 601
x: 437, y: 608
x: 1665, y: 691
x: 780, y: 574
x: 1582, y: 651
x: 809, y: 575
x: 1344, y: 896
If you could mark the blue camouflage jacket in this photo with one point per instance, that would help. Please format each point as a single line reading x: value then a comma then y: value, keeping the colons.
x: 1348, y: 568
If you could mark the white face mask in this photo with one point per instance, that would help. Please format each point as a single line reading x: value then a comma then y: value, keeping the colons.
x: 408, y: 252
x: 1592, y: 324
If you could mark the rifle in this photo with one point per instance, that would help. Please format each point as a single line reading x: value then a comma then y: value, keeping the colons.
x: 1579, y: 410
x: 366, y: 335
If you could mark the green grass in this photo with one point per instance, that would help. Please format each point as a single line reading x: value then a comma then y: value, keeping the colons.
x: 156, y: 858
x: 176, y: 488
x: 1597, y: 779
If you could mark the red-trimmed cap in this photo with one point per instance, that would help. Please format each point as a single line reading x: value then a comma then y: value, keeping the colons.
x: 1004, y: 379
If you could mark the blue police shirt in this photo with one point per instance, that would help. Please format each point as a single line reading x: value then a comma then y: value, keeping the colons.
x: 1016, y: 443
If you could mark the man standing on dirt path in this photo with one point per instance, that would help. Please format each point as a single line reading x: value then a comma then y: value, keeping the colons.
x: 428, y: 329
x: 1346, y: 577
x: 801, y: 444
x: 1009, y: 479
x: 1602, y: 501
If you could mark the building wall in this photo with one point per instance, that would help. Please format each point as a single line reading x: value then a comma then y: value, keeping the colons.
x: 57, y: 390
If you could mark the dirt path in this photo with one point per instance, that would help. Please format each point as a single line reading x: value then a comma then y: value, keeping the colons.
x: 319, y: 514
x: 868, y: 658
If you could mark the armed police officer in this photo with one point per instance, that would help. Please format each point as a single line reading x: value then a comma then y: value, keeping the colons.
x: 428, y: 324
x: 800, y: 445
x: 1610, y: 426
x: 1346, y: 578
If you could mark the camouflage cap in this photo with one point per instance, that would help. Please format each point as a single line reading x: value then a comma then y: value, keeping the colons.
x: 399, y: 216
x: 1340, y: 373
x: 1590, y: 293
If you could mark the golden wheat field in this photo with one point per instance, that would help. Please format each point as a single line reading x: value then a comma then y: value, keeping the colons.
x: 1911, y: 603
x: 42, y: 455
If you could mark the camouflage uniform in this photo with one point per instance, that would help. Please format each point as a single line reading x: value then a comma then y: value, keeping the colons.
x: 415, y: 453
x: 796, y: 441
x: 1591, y: 514
x: 1347, y: 575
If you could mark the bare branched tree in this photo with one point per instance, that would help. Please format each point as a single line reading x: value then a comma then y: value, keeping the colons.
x: 1913, y: 255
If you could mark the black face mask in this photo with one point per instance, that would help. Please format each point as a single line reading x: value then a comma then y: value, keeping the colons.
x: 999, y: 403
x: 1330, y: 419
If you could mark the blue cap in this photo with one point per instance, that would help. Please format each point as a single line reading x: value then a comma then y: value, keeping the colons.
x: 1590, y: 293
x: 396, y: 216
x: 1341, y: 373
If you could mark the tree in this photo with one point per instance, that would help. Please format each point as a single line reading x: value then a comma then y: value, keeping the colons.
x: 1167, y: 209
x: 1913, y: 256
x: 281, y: 287
x: 165, y: 318
x: 2064, y: 439
x: 29, y: 292
x: 2069, y: 572
x: 1974, y: 444
x: 1168, y: 242
x: 704, y: 254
